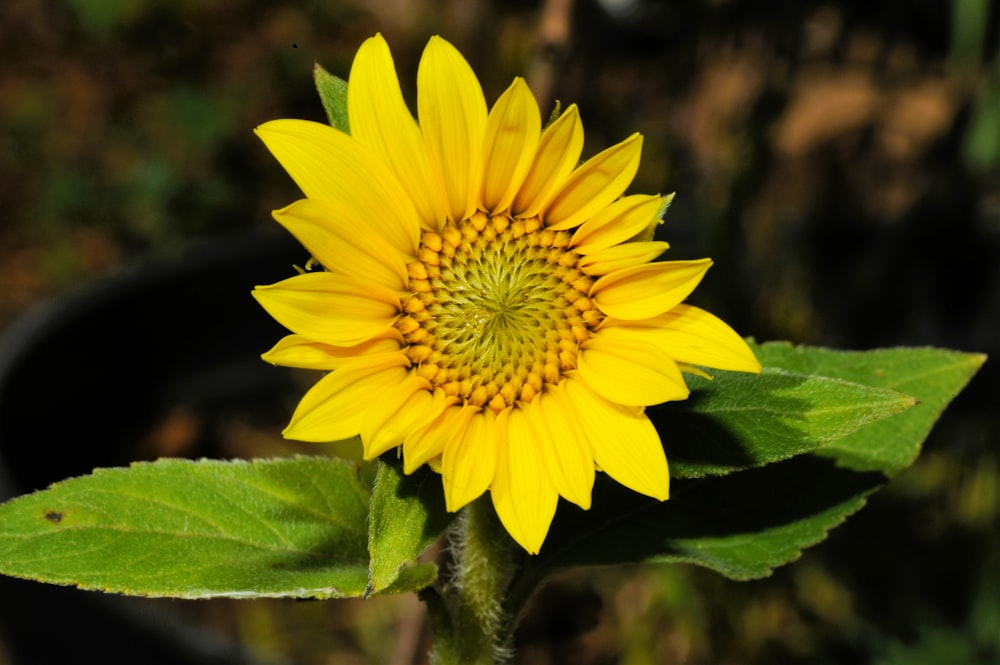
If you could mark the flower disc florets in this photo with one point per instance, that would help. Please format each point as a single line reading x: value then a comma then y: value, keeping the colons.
x: 498, y: 310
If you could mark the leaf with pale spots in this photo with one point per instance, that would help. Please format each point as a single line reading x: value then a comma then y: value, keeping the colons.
x: 276, y: 528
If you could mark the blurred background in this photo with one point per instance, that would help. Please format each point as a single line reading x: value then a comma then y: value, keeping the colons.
x: 840, y: 161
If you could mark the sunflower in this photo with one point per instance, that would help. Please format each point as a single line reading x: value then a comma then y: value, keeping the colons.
x: 488, y: 304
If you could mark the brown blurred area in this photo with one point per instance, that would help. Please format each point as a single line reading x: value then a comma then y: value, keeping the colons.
x: 840, y: 162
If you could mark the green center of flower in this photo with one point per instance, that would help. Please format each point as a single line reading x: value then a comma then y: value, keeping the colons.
x: 498, y: 309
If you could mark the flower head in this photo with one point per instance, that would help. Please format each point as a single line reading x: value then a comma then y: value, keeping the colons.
x: 484, y: 304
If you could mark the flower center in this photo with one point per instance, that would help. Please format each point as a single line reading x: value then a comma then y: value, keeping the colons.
x: 498, y: 309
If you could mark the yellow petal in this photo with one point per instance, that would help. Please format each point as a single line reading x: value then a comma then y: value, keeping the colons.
x: 693, y: 336
x: 625, y: 444
x: 618, y: 257
x: 416, y: 412
x: 647, y: 290
x: 522, y: 495
x: 331, y: 166
x: 558, y: 154
x: 330, y: 308
x: 429, y: 441
x: 452, y: 113
x: 617, y: 223
x: 594, y: 185
x: 564, y: 448
x: 332, y: 410
x: 339, y: 240
x: 512, y: 131
x: 629, y: 371
x: 380, y: 119
x: 380, y: 411
x: 299, y: 351
x: 468, y: 464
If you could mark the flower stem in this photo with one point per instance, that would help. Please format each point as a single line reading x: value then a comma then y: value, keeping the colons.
x: 484, y: 563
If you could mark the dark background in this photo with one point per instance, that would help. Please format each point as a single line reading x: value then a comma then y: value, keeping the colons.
x: 840, y: 162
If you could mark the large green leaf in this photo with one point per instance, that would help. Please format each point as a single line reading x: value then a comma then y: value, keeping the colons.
x: 739, y: 421
x: 407, y: 515
x: 285, y: 527
x: 745, y: 524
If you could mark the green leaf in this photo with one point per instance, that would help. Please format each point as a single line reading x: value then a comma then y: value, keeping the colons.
x: 738, y: 421
x: 407, y: 516
x: 932, y: 376
x: 333, y: 93
x: 741, y: 525
x: 745, y: 524
x: 286, y: 527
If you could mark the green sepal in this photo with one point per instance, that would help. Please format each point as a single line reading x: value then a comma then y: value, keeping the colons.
x: 333, y: 94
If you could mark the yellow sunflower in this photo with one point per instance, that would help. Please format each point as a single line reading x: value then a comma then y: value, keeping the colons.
x: 485, y: 304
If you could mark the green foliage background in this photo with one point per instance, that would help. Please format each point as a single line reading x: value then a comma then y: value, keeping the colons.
x: 839, y: 161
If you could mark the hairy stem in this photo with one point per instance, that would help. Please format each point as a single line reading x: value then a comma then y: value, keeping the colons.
x: 484, y: 563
